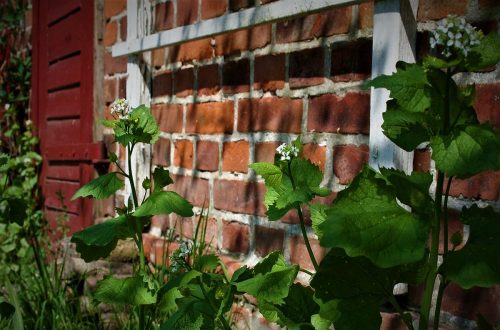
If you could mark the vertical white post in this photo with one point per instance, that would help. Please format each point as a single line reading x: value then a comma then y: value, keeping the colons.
x: 139, y: 24
x: 394, y: 35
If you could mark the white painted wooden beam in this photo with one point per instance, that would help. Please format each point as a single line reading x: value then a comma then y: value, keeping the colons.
x: 276, y: 11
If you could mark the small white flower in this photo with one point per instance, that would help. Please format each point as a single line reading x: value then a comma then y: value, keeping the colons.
x: 287, y: 151
x: 121, y: 108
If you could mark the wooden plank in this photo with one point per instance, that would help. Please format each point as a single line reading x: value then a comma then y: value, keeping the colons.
x: 63, y: 171
x: 60, y: 8
x: 64, y: 73
x: 56, y: 188
x: 76, y: 152
x: 73, y: 221
x: 65, y: 37
x: 275, y: 11
x: 64, y: 103
x: 62, y: 131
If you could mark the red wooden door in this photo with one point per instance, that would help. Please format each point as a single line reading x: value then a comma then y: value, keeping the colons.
x: 63, y: 74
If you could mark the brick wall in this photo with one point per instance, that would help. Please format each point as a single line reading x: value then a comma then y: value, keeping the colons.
x: 228, y: 101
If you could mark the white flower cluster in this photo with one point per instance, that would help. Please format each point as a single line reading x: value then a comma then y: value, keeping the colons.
x: 456, y: 36
x: 120, y: 107
x: 179, y: 258
x: 287, y: 152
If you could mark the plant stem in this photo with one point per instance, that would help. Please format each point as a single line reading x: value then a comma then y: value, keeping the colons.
x: 221, y: 318
x: 302, y: 224
x: 400, y: 311
x: 437, y: 314
x: 445, y: 217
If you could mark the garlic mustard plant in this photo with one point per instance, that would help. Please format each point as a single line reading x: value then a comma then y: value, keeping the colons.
x: 455, y: 36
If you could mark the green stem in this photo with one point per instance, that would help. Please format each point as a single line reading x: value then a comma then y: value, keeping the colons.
x: 445, y: 217
x: 302, y: 224
x: 437, y: 314
x: 212, y: 305
x: 400, y: 311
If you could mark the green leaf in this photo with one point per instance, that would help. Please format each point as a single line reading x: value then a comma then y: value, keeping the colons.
x: 6, y: 310
x: 484, y: 55
x: 101, y: 187
x: 271, y: 173
x: 478, y: 263
x: 97, y: 241
x: 270, y: 279
x: 161, y: 179
x: 208, y: 263
x: 351, y: 314
x: 406, y: 86
x: 467, y: 151
x: 164, y: 202
x: 318, y: 216
x: 130, y: 291
x: 366, y: 220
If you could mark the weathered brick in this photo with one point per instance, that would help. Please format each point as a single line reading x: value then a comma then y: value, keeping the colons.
x: 235, y: 236
x: 161, y: 249
x: 183, y: 226
x: 299, y: 255
x: 235, y: 156
x: 168, y: 116
x: 481, y: 186
x: 437, y: 9
x: 110, y: 89
x: 352, y: 60
x: 270, y: 114
x: 233, y: 265
x: 269, y: 72
x: 207, y: 156
x: 184, y: 82
x: 211, y: 232
x: 249, y: 39
x: 187, y: 12
x: 164, y: 16
x: 301, y: 72
x: 114, y: 65
x: 487, y: 102
x: 183, y: 153
x: 161, y: 152
x: 114, y: 7
x: 208, y: 79
x: 365, y: 15
x: 123, y: 28
x: 158, y: 57
x: 268, y: 240
x: 210, y: 118
x: 122, y: 87
x: 336, y: 21
x: 236, y: 76
x: 348, y: 114
x: 192, y: 50
x: 316, y: 154
x: 193, y: 189
x: 213, y: 8
x: 422, y: 160
x: 235, y: 5
x: 348, y: 160
x: 392, y: 321
x: 160, y: 221
x: 162, y: 84
x: 239, y: 196
x: 110, y: 34
x: 265, y: 151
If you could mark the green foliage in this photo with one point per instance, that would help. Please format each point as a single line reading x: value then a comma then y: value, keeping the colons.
x: 131, y: 290
x: 101, y: 187
x: 165, y: 202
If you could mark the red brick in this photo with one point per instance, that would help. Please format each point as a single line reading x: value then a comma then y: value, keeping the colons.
x: 268, y: 240
x: 194, y: 189
x: 299, y: 255
x: 114, y: 7
x: 392, y: 321
x: 110, y: 90
x: 168, y: 116
x: 213, y: 8
x: 332, y: 113
x: 481, y: 186
x: 164, y: 16
x: 147, y: 242
x: 183, y: 153
x: 236, y: 76
x: 352, y: 60
x: 365, y: 15
x: 183, y: 226
x: 192, y: 50
x: 161, y: 152
x: 235, y: 5
x: 422, y: 160
x: 162, y: 84
x: 158, y: 57
x: 160, y: 221
x: 269, y: 72
x: 208, y: 79
x: 110, y: 34
x: 487, y: 4
x: 211, y: 234
x: 239, y: 196
x: 265, y: 151
x: 316, y: 154
x: 187, y: 12
x: 336, y: 21
x: 210, y: 118
x: 301, y: 72
x: 235, y: 156
x: 348, y: 160
x: 184, y: 82
x: 207, y: 156
x: 270, y: 114
x: 235, y: 42
x: 487, y: 103
x: 161, y: 249
x: 235, y: 237
x: 123, y: 28
x: 437, y: 9
x: 122, y: 87
x: 233, y: 265
x: 114, y: 65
